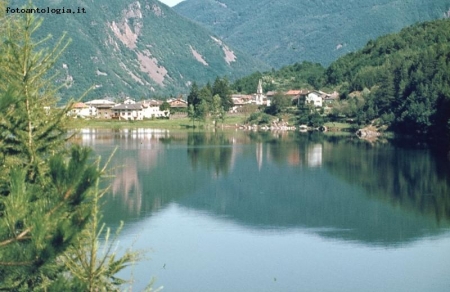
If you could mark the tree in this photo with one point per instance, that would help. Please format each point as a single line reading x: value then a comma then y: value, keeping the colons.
x: 385, y: 95
x: 193, y: 98
x: 191, y: 114
x: 28, y: 132
x: 202, y: 110
x: 217, y: 111
x: 221, y: 87
x: 165, y: 106
x: 279, y: 103
x: 47, y: 191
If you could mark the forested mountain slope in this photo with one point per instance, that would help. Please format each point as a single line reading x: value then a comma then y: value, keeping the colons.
x: 402, y: 80
x: 408, y: 75
x: 136, y: 48
x: 287, y: 31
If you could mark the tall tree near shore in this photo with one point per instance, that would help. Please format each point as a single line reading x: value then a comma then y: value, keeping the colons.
x: 217, y: 111
x: 222, y: 88
x: 193, y: 98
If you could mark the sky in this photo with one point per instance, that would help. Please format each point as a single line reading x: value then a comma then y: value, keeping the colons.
x: 170, y: 2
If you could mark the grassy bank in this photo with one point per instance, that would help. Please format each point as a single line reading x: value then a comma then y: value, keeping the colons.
x: 339, y: 127
x: 177, y: 123
x: 180, y: 123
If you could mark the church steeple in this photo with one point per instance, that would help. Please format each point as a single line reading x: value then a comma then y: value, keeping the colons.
x: 259, y: 90
x: 259, y: 96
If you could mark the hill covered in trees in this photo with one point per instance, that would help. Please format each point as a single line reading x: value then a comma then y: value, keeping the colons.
x: 286, y: 31
x: 401, y: 79
x: 408, y: 75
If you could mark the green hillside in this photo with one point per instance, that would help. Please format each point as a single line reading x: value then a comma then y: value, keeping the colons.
x: 408, y: 75
x: 402, y: 80
x: 136, y: 48
x: 287, y: 31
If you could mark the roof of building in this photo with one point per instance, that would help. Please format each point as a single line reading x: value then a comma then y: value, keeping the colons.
x: 297, y: 92
x: 151, y: 102
x: 242, y: 96
x: 239, y: 101
x: 177, y: 103
x: 132, y: 106
x: 100, y: 102
x: 79, y: 105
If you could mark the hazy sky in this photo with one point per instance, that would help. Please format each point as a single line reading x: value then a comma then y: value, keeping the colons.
x: 170, y: 2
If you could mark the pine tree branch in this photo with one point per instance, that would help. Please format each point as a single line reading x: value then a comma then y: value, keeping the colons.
x: 19, y: 237
x: 15, y: 264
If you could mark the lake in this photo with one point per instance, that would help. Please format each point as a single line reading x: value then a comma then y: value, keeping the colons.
x: 287, y: 211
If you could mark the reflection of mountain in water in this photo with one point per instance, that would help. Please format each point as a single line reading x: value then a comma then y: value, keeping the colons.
x: 304, y: 195
x: 332, y: 186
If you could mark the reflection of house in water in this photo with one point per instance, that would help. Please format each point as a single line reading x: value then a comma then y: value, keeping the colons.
x: 314, y: 155
x: 138, y: 150
x: 294, y: 157
x: 259, y: 154
x: 126, y: 184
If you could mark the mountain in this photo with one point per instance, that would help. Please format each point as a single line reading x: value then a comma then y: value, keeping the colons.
x: 135, y: 48
x: 287, y: 31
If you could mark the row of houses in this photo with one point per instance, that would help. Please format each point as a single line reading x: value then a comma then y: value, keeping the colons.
x: 127, y: 110
x: 315, y: 98
x: 148, y: 109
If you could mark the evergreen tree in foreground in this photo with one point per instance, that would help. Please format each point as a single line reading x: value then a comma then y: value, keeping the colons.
x: 49, y: 231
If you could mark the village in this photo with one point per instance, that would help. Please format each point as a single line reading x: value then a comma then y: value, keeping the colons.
x: 131, y: 109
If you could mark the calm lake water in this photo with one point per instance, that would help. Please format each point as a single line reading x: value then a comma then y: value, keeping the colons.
x: 242, y: 211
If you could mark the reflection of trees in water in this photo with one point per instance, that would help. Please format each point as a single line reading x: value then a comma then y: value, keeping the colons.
x: 210, y: 150
x: 155, y: 172
x: 313, y: 197
x: 410, y: 178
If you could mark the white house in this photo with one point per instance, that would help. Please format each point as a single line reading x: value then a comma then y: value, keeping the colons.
x: 314, y: 98
x: 82, y: 110
x: 151, y: 109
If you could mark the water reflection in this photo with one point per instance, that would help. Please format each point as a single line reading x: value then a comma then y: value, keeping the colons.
x: 336, y: 187
x: 212, y: 150
x: 410, y: 178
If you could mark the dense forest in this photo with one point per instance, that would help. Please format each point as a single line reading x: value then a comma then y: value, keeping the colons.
x: 400, y: 80
x: 408, y: 77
